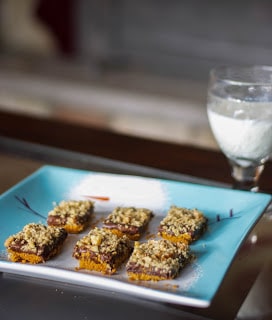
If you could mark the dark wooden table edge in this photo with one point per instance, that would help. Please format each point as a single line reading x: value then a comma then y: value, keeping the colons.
x: 172, y: 157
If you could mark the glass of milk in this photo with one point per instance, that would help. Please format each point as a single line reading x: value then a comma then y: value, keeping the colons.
x: 240, y: 114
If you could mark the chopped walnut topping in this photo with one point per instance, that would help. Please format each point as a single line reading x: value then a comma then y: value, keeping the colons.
x: 72, y: 209
x: 182, y: 220
x: 157, y: 260
x: 101, y: 241
x: 102, y: 251
x: 137, y: 217
x: 34, y: 238
x: 158, y: 255
x: 72, y: 215
x: 128, y: 221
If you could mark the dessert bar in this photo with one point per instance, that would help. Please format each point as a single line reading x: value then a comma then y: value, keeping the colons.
x: 128, y: 221
x: 102, y: 251
x: 181, y: 224
x: 71, y: 215
x: 157, y: 260
x: 35, y: 243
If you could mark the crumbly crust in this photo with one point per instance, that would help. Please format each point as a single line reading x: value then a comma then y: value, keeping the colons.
x: 72, y: 215
x: 102, y: 251
x: 128, y: 221
x: 182, y: 224
x: 157, y: 260
x: 35, y: 243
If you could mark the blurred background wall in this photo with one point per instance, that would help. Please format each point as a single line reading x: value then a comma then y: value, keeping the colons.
x: 167, y: 37
x: 183, y: 38
x: 138, y: 66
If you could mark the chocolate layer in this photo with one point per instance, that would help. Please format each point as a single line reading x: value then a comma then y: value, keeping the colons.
x: 124, y: 228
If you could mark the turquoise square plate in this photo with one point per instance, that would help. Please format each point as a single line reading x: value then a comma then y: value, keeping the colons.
x: 231, y: 213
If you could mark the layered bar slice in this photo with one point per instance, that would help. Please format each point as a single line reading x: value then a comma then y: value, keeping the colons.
x: 157, y: 260
x: 129, y: 221
x: 35, y: 243
x: 72, y: 215
x: 102, y: 251
x: 182, y: 224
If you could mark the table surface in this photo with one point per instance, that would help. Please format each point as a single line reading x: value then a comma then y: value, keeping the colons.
x: 26, y: 143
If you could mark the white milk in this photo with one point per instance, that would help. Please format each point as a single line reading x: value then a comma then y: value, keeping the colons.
x: 243, y: 130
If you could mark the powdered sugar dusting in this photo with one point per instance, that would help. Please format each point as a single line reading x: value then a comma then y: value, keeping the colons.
x: 122, y: 191
x: 190, y: 276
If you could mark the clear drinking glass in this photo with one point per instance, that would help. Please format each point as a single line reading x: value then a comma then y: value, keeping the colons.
x: 240, y: 114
